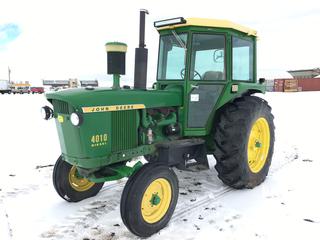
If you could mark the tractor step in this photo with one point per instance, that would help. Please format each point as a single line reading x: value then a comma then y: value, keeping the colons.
x: 194, y: 165
x: 184, y: 154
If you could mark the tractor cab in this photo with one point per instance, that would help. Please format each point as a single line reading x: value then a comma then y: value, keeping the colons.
x: 205, y: 57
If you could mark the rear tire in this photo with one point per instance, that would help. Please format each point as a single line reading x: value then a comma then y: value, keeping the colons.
x: 149, y: 199
x: 71, y: 187
x: 243, y: 142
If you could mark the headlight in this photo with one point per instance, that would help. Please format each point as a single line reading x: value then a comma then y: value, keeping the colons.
x: 76, y: 119
x: 46, y: 113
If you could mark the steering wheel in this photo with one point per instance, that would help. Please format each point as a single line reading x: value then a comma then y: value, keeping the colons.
x: 195, y: 73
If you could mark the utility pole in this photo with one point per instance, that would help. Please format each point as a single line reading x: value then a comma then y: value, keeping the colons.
x: 9, y: 74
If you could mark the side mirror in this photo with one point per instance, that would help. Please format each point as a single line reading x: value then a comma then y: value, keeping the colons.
x: 262, y: 80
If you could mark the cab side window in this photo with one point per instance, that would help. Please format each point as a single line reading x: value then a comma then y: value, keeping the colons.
x: 242, y: 59
x: 208, y: 57
x: 171, y: 62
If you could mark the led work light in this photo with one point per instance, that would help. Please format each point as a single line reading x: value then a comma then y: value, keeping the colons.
x: 168, y: 22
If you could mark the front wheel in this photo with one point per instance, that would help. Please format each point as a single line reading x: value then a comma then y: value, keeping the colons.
x: 149, y: 199
x: 70, y: 185
x: 243, y: 142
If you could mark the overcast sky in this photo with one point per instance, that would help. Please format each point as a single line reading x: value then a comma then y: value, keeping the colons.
x: 61, y: 39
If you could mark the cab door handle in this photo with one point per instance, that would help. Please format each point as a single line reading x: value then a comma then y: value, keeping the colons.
x: 194, y: 86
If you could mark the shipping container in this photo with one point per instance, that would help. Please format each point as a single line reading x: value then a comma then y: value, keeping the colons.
x: 290, y: 85
x: 294, y: 85
x: 278, y: 85
x: 309, y: 84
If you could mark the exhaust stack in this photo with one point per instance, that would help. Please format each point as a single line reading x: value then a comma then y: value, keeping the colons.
x: 141, y: 57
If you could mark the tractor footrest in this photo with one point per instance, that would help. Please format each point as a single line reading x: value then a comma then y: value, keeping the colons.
x: 179, y: 153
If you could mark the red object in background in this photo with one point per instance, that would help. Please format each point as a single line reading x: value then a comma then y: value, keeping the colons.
x: 304, y: 84
x: 290, y: 85
x: 37, y: 90
x: 309, y: 84
x: 278, y: 85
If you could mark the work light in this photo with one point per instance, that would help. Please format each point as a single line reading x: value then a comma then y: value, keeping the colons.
x: 46, y: 113
x: 168, y: 22
x: 75, y: 119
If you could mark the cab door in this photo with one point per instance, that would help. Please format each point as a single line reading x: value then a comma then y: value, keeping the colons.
x: 206, y: 79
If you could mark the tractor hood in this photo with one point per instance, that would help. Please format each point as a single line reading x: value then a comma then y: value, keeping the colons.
x: 91, y: 142
x: 80, y: 98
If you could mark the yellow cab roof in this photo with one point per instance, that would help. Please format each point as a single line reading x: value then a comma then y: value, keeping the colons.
x: 216, y: 23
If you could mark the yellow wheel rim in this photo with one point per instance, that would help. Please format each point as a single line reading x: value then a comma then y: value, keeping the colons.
x: 78, y: 183
x: 156, y: 200
x: 258, y: 145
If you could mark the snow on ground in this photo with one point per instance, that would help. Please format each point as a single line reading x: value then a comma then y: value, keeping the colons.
x: 285, y: 206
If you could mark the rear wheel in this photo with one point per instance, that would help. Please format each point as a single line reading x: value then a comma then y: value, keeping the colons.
x: 243, y: 142
x: 70, y: 185
x: 149, y: 199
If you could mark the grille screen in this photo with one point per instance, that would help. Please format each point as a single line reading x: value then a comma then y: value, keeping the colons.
x: 124, y: 130
x: 60, y: 106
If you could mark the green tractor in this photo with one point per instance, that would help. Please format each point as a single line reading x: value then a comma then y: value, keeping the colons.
x: 202, y: 103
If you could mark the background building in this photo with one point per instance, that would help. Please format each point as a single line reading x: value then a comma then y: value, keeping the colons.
x: 302, y: 80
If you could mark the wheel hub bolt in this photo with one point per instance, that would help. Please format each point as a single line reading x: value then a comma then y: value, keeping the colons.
x: 155, y: 199
x: 258, y: 144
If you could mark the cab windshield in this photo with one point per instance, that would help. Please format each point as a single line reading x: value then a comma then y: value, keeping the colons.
x: 172, y: 55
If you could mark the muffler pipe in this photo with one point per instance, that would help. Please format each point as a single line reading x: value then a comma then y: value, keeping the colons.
x: 141, y: 56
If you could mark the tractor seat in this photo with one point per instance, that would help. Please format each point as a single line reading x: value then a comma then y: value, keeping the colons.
x: 212, y: 75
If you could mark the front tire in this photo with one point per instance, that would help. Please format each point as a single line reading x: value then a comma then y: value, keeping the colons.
x: 149, y: 199
x: 69, y: 185
x: 243, y: 142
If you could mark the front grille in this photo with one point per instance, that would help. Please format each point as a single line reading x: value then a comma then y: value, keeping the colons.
x: 60, y: 106
x: 124, y: 130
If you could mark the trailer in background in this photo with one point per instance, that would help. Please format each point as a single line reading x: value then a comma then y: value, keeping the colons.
x: 89, y: 83
x: 71, y: 83
x: 21, y: 87
x: 5, y: 87
x: 61, y: 84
